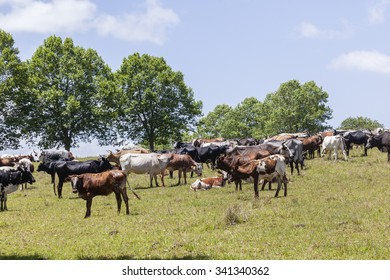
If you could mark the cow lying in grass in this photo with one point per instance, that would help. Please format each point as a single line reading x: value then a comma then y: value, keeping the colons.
x: 89, y: 185
x: 210, y: 182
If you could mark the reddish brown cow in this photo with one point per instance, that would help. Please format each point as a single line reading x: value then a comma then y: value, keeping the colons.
x: 184, y: 164
x: 89, y: 185
x: 8, y: 161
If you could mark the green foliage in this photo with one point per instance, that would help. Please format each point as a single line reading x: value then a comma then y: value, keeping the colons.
x: 12, y: 84
x: 296, y: 108
x: 359, y: 123
x: 155, y: 106
x: 72, y: 87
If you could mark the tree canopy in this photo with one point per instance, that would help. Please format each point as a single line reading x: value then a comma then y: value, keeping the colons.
x: 69, y: 84
x: 13, y: 78
x: 356, y: 123
x: 155, y: 106
x: 296, y: 108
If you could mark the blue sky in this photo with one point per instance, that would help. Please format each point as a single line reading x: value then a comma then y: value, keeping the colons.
x: 233, y: 49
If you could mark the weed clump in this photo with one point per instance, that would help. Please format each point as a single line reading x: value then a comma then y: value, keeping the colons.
x: 236, y: 214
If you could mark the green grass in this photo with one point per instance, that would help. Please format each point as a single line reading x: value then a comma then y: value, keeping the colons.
x: 332, y: 211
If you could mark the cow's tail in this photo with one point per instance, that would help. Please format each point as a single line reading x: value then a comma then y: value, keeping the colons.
x: 136, y: 195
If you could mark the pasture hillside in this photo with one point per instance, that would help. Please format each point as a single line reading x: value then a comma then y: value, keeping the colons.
x: 334, y: 210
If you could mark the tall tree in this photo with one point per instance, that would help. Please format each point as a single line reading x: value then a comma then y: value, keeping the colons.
x: 156, y: 106
x: 359, y: 123
x: 296, y: 108
x: 244, y: 120
x: 12, y: 84
x: 71, y: 86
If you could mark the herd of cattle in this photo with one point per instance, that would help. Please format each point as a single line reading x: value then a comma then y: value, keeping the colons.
x: 263, y: 161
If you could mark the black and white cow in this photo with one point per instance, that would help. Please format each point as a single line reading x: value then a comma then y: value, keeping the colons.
x: 10, y: 181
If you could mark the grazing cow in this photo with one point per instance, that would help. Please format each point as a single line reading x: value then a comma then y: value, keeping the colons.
x: 152, y: 163
x: 210, y: 182
x: 63, y: 169
x: 184, y: 164
x: 357, y: 137
x: 334, y: 143
x: 9, y: 182
x: 55, y: 155
x: 311, y: 144
x: 89, y: 185
x: 266, y: 169
x: 381, y: 141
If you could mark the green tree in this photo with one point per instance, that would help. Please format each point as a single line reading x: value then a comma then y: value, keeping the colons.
x: 13, y: 77
x: 244, y: 120
x: 296, y: 108
x: 72, y: 87
x: 156, y: 106
x: 359, y: 123
x: 214, y: 124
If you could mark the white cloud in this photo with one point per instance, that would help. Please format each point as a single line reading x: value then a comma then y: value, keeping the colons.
x: 46, y: 17
x: 372, y: 61
x: 377, y: 12
x: 309, y: 30
x: 53, y: 16
x: 148, y: 26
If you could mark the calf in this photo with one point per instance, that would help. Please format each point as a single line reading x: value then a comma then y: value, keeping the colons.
x: 9, y: 182
x: 184, y: 164
x: 89, y: 185
x: 210, y: 182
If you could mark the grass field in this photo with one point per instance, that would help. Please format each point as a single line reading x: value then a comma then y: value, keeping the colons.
x: 334, y: 210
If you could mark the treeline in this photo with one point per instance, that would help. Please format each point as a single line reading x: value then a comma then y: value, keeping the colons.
x: 65, y: 94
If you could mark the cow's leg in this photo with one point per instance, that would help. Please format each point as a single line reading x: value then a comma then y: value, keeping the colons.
x: 162, y: 179
x: 365, y: 150
x: 279, y: 186
x: 263, y: 185
x: 2, y: 202
x: 118, y: 200
x: 179, y: 175
x: 126, y: 200
x: 388, y: 154
x: 170, y: 174
x: 292, y: 167
x: 256, y: 186
x: 89, y: 204
x: 5, y: 202
x: 185, y: 176
x: 53, y: 181
x: 285, y: 189
x: 59, y: 186
x: 345, y: 155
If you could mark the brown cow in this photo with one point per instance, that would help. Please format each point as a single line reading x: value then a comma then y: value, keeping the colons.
x: 184, y: 164
x: 11, y: 161
x: 266, y: 169
x: 114, y: 157
x: 311, y: 144
x: 89, y: 185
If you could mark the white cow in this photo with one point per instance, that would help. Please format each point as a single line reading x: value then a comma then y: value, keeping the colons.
x: 153, y: 164
x: 334, y: 143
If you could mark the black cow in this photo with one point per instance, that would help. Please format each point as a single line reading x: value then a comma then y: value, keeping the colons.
x: 10, y: 181
x: 357, y: 137
x: 381, y: 141
x: 65, y: 168
x: 210, y: 153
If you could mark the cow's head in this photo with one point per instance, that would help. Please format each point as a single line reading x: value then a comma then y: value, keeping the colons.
x: 374, y: 141
x: 26, y: 175
x: 77, y: 183
x: 197, y: 168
